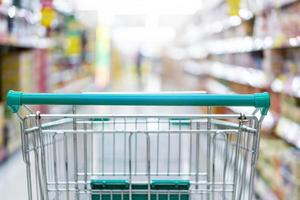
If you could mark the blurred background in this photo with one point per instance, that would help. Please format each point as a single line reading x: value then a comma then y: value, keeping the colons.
x: 220, y: 46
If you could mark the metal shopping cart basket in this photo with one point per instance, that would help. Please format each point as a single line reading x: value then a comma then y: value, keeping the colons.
x: 140, y: 157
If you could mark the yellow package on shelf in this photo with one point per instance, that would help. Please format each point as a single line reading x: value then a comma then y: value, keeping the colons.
x: 17, y: 72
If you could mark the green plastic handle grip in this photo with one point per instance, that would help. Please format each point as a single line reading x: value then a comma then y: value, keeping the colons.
x: 259, y: 100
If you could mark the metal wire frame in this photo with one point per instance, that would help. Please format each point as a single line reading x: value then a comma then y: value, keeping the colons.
x: 216, y: 153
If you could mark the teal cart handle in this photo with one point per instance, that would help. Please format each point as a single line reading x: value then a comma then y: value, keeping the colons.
x: 259, y: 100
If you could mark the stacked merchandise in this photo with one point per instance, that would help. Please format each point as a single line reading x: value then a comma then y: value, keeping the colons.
x: 254, y: 50
x: 18, y: 72
x: 19, y: 23
x: 288, y: 124
x: 19, y: 30
x: 279, y: 24
x: 46, y: 50
x: 72, y: 61
x: 279, y: 169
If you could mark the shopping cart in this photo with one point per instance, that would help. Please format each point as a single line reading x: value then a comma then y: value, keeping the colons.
x: 138, y: 157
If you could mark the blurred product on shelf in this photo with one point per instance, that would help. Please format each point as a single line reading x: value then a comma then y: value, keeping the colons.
x: 74, y: 60
x: 18, y: 72
x: 280, y: 170
x: 279, y: 24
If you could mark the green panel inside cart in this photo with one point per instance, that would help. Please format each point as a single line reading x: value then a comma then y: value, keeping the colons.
x: 181, y: 121
x: 105, y: 119
x: 171, y: 185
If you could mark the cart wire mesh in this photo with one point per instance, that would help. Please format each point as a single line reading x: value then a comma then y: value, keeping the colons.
x: 212, y: 156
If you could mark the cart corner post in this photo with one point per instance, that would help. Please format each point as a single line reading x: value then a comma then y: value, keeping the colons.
x: 13, y: 100
x: 262, y: 101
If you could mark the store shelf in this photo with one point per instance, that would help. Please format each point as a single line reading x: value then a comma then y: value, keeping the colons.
x: 31, y: 43
x: 283, y: 3
x: 243, y: 75
x: 196, y: 33
x: 267, y: 5
x: 262, y: 53
x: 12, y: 11
x: 222, y: 25
x: 238, y: 74
x: 289, y: 131
x: 291, y: 87
x: 248, y: 44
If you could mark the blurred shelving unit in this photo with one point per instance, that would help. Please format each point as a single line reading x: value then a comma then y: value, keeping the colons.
x: 44, y: 47
x: 249, y: 47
